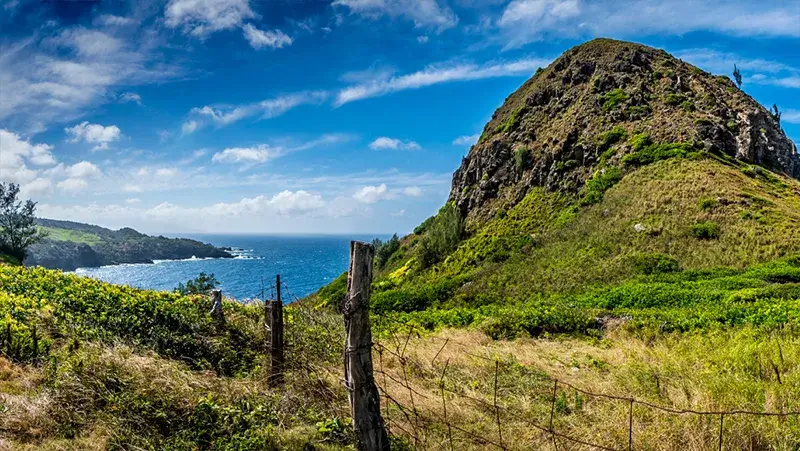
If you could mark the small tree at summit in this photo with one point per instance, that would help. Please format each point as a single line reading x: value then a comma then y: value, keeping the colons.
x: 776, y: 113
x: 737, y: 75
x: 18, y: 229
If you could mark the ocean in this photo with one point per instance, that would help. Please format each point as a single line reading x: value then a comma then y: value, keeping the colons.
x: 305, y: 263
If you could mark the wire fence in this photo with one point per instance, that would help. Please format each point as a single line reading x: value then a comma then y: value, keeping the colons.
x: 405, y: 417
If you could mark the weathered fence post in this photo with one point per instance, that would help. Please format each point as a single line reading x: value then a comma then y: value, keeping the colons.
x: 365, y: 406
x: 275, y: 318
x: 216, y: 307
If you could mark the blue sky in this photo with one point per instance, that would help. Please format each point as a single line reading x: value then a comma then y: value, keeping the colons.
x: 311, y: 116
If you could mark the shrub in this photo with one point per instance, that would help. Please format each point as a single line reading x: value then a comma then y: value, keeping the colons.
x: 202, y: 284
x: 522, y: 157
x: 442, y: 236
x: 707, y: 230
x: 18, y: 229
x: 420, y: 229
x: 600, y: 182
x: 512, y: 122
x: 657, y: 152
x: 674, y: 99
x: 636, y: 111
x: 640, y: 141
x: 384, y: 251
x: 732, y: 125
x: 655, y: 263
x: 688, y: 106
x: 708, y: 203
x: 612, y: 99
x: 612, y: 137
x: 333, y: 293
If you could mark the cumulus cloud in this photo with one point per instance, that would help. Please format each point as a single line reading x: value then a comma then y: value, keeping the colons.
x: 413, y: 191
x: 372, y: 194
x: 437, y: 74
x: 260, y: 39
x: 84, y: 169
x: 201, y: 18
x: 17, y: 153
x: 424, y: 13
x: 73, y: 185
x: 256, y: 154
x: 394, y: 144
x: 94, y: 134
x: 291, y: 203
x: 466, y: 140
x: 189, y: 127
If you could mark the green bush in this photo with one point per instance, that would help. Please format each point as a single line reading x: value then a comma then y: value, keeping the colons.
x: 707, y: 230
x: 384, y: 251
x: 655, y: 263
x: 708, y: 203
x: 512, y: 122
x: 420, y: 229
x: 638, y: 111
x: 656, y: 152
x: 202, y: 284
x: 640, y: 141
x: 600, y: 182
x: 332, y: 294
x: 442, y: 236
x: 612, y: 99
x: 522, y: 158
x: 674, y: 99
x: 611, y: 137
x: 688, y: 106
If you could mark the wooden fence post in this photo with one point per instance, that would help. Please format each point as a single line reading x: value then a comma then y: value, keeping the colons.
x: 365, y: 406
x: 216, y: 307
x: 275, y: 318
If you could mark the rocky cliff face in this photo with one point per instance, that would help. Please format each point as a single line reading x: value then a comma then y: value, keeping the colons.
x: 553, y: 131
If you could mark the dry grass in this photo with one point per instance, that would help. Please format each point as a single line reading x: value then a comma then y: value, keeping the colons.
x: 710, y: 372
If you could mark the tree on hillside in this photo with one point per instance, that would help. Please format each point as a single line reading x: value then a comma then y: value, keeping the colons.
x: 18, y: 229
x: 384, y: 251
x: 737, y: 75
x: 442, y: 235
x: 776, y: 113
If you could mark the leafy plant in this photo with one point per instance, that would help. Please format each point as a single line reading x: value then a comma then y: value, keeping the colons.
x: 384, y: 251
x: 202, y: 284
x: 657, y: 152
x: 612, y: 99
x: 522, y: 157
x: 600, y: 182
x: 707, y: 230
x: 442, y: 236
x: 18, y: 229
x: 655, y: 263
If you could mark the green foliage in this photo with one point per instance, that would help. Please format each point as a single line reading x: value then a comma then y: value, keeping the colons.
x: 601, y: 181
x: 384, y: 251
x: 18, y: 229
x: 708, y: 203
x: 655, y: 263
x: 638, y: 111
x: 688, y: 106
x: 674, y: 99
x: 657, y: 152
x: 640, y: 141
x: 512, y: 122
x: 522, y: 158
x: 706, y: 230
x: 176, y: 326
x: 442, y: 236
x: 332, y: 294
x: 732, y: 125
x: 611, y: 137
x: 420, y: 229
x: 612, y: 99
x: 73, y: 236
x: 202, y: 284
x: 417, y: 297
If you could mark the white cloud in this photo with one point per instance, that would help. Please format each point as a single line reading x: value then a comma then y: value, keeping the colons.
x: 15, y: 155
x: 436, y: 74
x: 200, y: 18
x: 260, y: 39
x: 466, y: 140
x: 372, y: 194
x: 94, y: 134
x: 73, y: 185
x: 132, y: 200
x: 791, y: 116
x: 268, y: 108
x: 394, y: 144
x: 57, y: 78
x: 132, y: 189
x: 424, y: 13
x: 256, y: 154
x: 126, y: 97
x: 289, y: 203
x: 110, y: 20
x: 722, y: 62
x: 189, y: 127
x: 413, y: 191
x: 525, y: 21
x: 166, y: 172
x: 36, y: 188
x: 84, y: 169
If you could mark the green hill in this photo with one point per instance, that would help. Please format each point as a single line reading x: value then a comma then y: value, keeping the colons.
x: 70, y: 245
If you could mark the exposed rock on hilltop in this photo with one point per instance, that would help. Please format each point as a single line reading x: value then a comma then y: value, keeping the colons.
x: 555, y: 130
